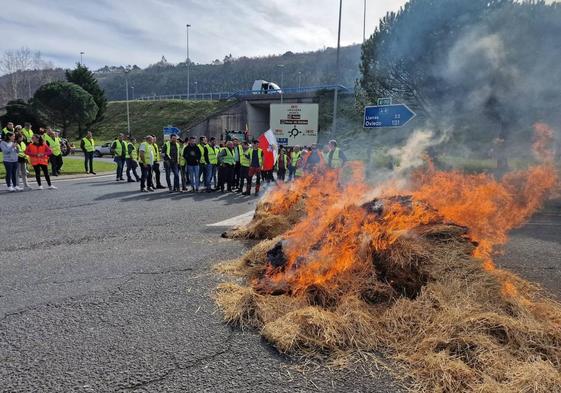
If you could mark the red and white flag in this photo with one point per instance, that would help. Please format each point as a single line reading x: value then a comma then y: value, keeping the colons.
x: 268, y: 143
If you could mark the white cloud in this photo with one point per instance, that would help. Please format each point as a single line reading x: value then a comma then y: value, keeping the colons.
x: 140, y: 32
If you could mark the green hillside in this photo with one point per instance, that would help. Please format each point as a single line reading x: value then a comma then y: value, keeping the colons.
x: 151, y: 116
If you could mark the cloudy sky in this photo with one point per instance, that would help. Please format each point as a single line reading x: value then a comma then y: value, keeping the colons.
x: 120, y: 32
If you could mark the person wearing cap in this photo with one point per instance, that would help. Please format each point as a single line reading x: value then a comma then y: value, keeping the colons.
x: 192, y: 155
x: 255, y: 156
x: 314, y: 160
x: 87, y: 144
x: 171, y: 162
x: 146, y: 161
x: 119, y: 151
x: 295, y: 156
x: 131, y: 157
x: 335, y: 157
x: 27, y: 132
x: 53, y: 140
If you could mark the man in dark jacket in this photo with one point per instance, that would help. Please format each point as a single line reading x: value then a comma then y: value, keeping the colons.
x: 192, y: 156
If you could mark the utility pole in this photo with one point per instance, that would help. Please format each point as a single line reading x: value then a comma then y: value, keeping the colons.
x: 188, y: 61
x: 127, y: 70
x: 282, y: 82
x: 336, y: 91
x: 81, y: 58
x: 364, y: 24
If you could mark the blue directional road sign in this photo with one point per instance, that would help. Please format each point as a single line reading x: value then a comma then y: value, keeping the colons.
x: 169, y: 130
x: 382, y: 116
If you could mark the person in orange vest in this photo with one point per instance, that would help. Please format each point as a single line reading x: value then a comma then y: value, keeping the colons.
x: 39, y: 152
x: 314, y: 160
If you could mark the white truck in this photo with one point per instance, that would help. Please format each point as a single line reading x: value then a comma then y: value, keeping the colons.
x: 261, y: 86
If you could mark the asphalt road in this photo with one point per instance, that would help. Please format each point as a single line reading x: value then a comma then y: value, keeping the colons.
x: 105, y: 289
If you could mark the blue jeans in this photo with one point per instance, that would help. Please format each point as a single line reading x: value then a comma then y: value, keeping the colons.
x: 291, y: 172
x: 193, y: 174
x: 172, y: 167
x: 146, y: 179
x: 214, y: 177
x: 11, y: 173
x: 208, y: 176
x: 120, y: 165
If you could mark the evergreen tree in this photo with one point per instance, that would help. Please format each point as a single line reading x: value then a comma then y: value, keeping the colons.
x: 84, y: 78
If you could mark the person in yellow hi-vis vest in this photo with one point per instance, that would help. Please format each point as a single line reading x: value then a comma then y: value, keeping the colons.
x: 182, y: 164
x: 87, y: 144
x: 171, y: 152
x: 131, y: 157
x: 53, y: 140
x: 146, y: 160
x: 156, y: 165
x: 335, y: 157
x: 255, y: 156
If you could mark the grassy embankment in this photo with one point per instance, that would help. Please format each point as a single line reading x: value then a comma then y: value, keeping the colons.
x: 72, y: 166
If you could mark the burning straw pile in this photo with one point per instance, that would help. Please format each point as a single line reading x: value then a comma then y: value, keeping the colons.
x: 406, y: 272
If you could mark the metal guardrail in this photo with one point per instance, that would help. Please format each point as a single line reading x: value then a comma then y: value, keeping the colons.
x: 242, y: 93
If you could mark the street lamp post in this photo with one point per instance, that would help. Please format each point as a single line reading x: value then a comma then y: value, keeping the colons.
x: 364, y: 24
x: 336, y: 91
x: 196, y: 89
x: 299, y: 79
x: 81, y: 58
x: 127, y: 70
x: 188, y: 61
x: 282, y: 82
x: 132, y: 91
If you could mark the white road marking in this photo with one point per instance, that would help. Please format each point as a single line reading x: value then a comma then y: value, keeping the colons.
x: 242, y: 219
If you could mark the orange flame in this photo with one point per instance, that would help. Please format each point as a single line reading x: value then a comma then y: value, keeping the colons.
x: 326, y: 245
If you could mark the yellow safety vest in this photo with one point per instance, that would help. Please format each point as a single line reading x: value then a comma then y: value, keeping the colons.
x: 149, y: 149
x: 229, y: 158
x: 294, y: 157
x: 21, y: 152
x: 89, y: 145
x: 202, y: 149
x: 259, y: 153
x: 182, y: 161
x: 119, y: 147
x: 167, y: 149
x: 27, y: 134
x: 335, y: 159
x: 212, y: 159
x: 54, y: 144
x: 244, y: 161
x: 157, y: 155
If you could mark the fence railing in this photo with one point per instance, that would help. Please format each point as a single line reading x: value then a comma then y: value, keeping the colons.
x: 222, y: 95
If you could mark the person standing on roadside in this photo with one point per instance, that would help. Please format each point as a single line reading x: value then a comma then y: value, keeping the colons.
x: 39, y: 153
x: 27, y: 133
x: 10, y: 149
x: 295, y: 156
x: 119, y: 151
x: 227, y: 160
x: 182, y: 164
x: 146, y: 155
x: 192, y: 155
x: 238, y: 151
x: 282, y: 164
x: 22, y: 161
x: 255, y: 156
x: 53, y: 140
x: 213, y: 152
x: 244, y: 165
x: 87, y: 144
x: 335, y: 158
x: 156, y: 165
x: 131, y: 157
x: 171, y: 162
x: 9, y: 128
x: 314, y: 160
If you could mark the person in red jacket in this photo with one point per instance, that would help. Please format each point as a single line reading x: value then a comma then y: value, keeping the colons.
x: 39, y: 152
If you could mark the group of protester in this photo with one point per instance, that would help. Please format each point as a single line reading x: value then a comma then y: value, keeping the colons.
x: 226, y: 166
x: 21, y: 147
x: 189, y: 165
